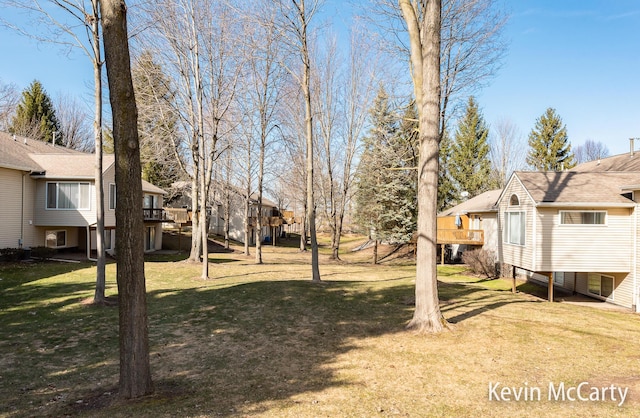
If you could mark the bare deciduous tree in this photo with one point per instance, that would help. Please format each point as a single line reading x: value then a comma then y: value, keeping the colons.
x: 423, y: 23
x: 590, y: 151
x: 265, y: 76
x: 472, y: 47
x: 197, y: 44
x: 296, y: 16
x: 9, y: 99
x: 346, y: 90
x: 508, y: 151
x: 75, y: 25
x: 135, y: 370
x: 73, y: 123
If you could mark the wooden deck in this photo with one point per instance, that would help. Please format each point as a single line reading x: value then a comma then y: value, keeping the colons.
x: 460, y: 236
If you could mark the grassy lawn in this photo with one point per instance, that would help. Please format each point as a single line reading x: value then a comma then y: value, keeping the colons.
x: 262, y: 340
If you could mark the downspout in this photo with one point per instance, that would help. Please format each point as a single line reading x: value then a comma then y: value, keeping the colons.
x: 635, y: 260
x: 21, y: 242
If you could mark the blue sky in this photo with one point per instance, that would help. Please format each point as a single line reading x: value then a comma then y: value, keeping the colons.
x: 579, y: 57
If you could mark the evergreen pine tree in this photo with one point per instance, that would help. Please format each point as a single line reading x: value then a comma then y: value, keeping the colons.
x: 549, y: 146
x: 399, y: 193
x: 470, y: 166
x: 446, y: 188
x: 35, y: 116
x: 157, y: 122
x: 371, y: 172
x: 386, y: 198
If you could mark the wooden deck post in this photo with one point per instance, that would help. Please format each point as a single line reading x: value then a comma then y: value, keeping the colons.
x: 551, y: 287
x: 442, y: 254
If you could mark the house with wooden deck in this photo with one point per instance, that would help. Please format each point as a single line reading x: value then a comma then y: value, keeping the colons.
x: 471, y: 224
x: 575, y: 231
x: 272, y: 220
x: 48, y: 198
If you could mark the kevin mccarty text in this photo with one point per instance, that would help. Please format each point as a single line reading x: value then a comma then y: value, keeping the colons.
x: 581, y: 392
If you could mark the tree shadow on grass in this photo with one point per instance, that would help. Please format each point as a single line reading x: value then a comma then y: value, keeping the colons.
x: 214, y: 350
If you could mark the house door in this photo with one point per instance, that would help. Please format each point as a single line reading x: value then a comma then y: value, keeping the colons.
x: 150, y: 238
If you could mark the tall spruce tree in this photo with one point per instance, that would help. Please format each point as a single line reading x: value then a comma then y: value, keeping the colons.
x: 446, y: 189
x: 371, y: 173
x: 157, y: 122
x: 400, y: 191
x: 35, y: 116
x: 386, y: 197
x: 470, y: 166
x: 549, y: 146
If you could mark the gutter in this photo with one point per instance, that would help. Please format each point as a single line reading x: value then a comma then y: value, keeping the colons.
x: 585, y: 204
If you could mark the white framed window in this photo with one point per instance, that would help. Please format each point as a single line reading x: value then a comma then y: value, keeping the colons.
x: 56, y: 239
x: 514, y: 200
x: 68, y: 196
x: 558, y: 278
x: 583, y: 217
x: 601, y: 285
x: 112, y: 196
x: 514, y: 227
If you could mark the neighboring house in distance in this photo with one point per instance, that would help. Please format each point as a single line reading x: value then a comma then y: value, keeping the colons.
x: 48, y: 198
x: 575, y: 230
x: 272, y: 219
x: 471, y: 224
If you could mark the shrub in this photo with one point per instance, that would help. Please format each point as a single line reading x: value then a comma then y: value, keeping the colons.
x: 481, y: 262
x: 11, y: 254
x: 42, y: 253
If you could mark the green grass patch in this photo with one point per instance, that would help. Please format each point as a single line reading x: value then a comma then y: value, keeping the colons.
x: 262, y: 340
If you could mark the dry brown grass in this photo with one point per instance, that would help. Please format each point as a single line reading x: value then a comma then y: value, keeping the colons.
x: 262, y: 340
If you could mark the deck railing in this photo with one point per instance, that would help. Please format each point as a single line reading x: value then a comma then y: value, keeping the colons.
x: 266, y: 221
x: 154, y: 214
x: 461, y: 236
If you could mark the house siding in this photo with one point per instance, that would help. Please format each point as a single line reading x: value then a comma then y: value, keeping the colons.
x: 573, y: 247
x: 55, y: 217
x: 517, y: 255
x: 109, y: 177
x: 11, y: 207
x: 489, y: 225
x: 622, y: 285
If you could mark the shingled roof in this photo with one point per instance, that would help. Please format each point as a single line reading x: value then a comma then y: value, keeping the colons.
x: 484, y: 202
x: 56, y: 162
x: 622, y: 162
x: 585, y: 188
x: 16, y: 151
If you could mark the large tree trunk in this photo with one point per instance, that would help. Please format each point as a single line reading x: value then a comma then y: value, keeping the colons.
x: 260, y: 186
x: 427, y: 316
x: 99, y: 295
x: 196, y: 239
x: 135, y: 371
x: 311, y: 205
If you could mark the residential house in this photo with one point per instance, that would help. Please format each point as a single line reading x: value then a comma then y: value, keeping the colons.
x: 471, y: 224
x: 48, y: 198
x: 575, y: 230
x: 272, y: 219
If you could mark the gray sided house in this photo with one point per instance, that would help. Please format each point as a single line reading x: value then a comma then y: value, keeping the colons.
x: 272, y: 221
x: 48, y: 198
x: 576, y: 229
